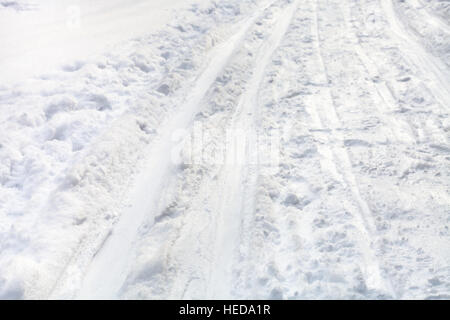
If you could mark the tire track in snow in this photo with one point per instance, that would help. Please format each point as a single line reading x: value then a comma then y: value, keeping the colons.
x: 385, y: 103
x: 392, y: 88
x: 316, y: 244
x: 239, y: 180
x: 372, y: 269
x: 208, y: 224
x: 405, y: 81
x: 415, y: 52
x: 109, y: 268
x: 433, y: 18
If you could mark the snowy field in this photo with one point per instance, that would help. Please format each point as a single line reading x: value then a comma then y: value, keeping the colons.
x: 243, y: 149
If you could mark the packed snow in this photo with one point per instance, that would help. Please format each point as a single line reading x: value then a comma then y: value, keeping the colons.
x: 233, y: 149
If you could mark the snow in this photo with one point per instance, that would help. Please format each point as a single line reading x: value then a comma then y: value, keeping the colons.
x: 262, y: 149
x: 39, y: 35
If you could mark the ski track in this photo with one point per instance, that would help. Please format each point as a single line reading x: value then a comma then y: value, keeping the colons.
x: 371, y: 269
x: 355, y: 204
x: 239, y: 178
x: 255, y: 246
x: 115, y: 255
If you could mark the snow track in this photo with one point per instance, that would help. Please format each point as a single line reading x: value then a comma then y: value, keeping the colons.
x: 114, y: 256
x: 225, y: 199
x: 238, y: 179
x: 282, y: 149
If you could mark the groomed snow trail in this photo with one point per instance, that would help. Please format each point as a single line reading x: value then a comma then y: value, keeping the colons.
x: 279, y: 149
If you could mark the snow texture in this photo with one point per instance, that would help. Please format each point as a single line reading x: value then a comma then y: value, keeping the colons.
x: 116, y: 179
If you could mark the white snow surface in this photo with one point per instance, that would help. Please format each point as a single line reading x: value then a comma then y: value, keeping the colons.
x: 133, y: 159
x: 37, y: 36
